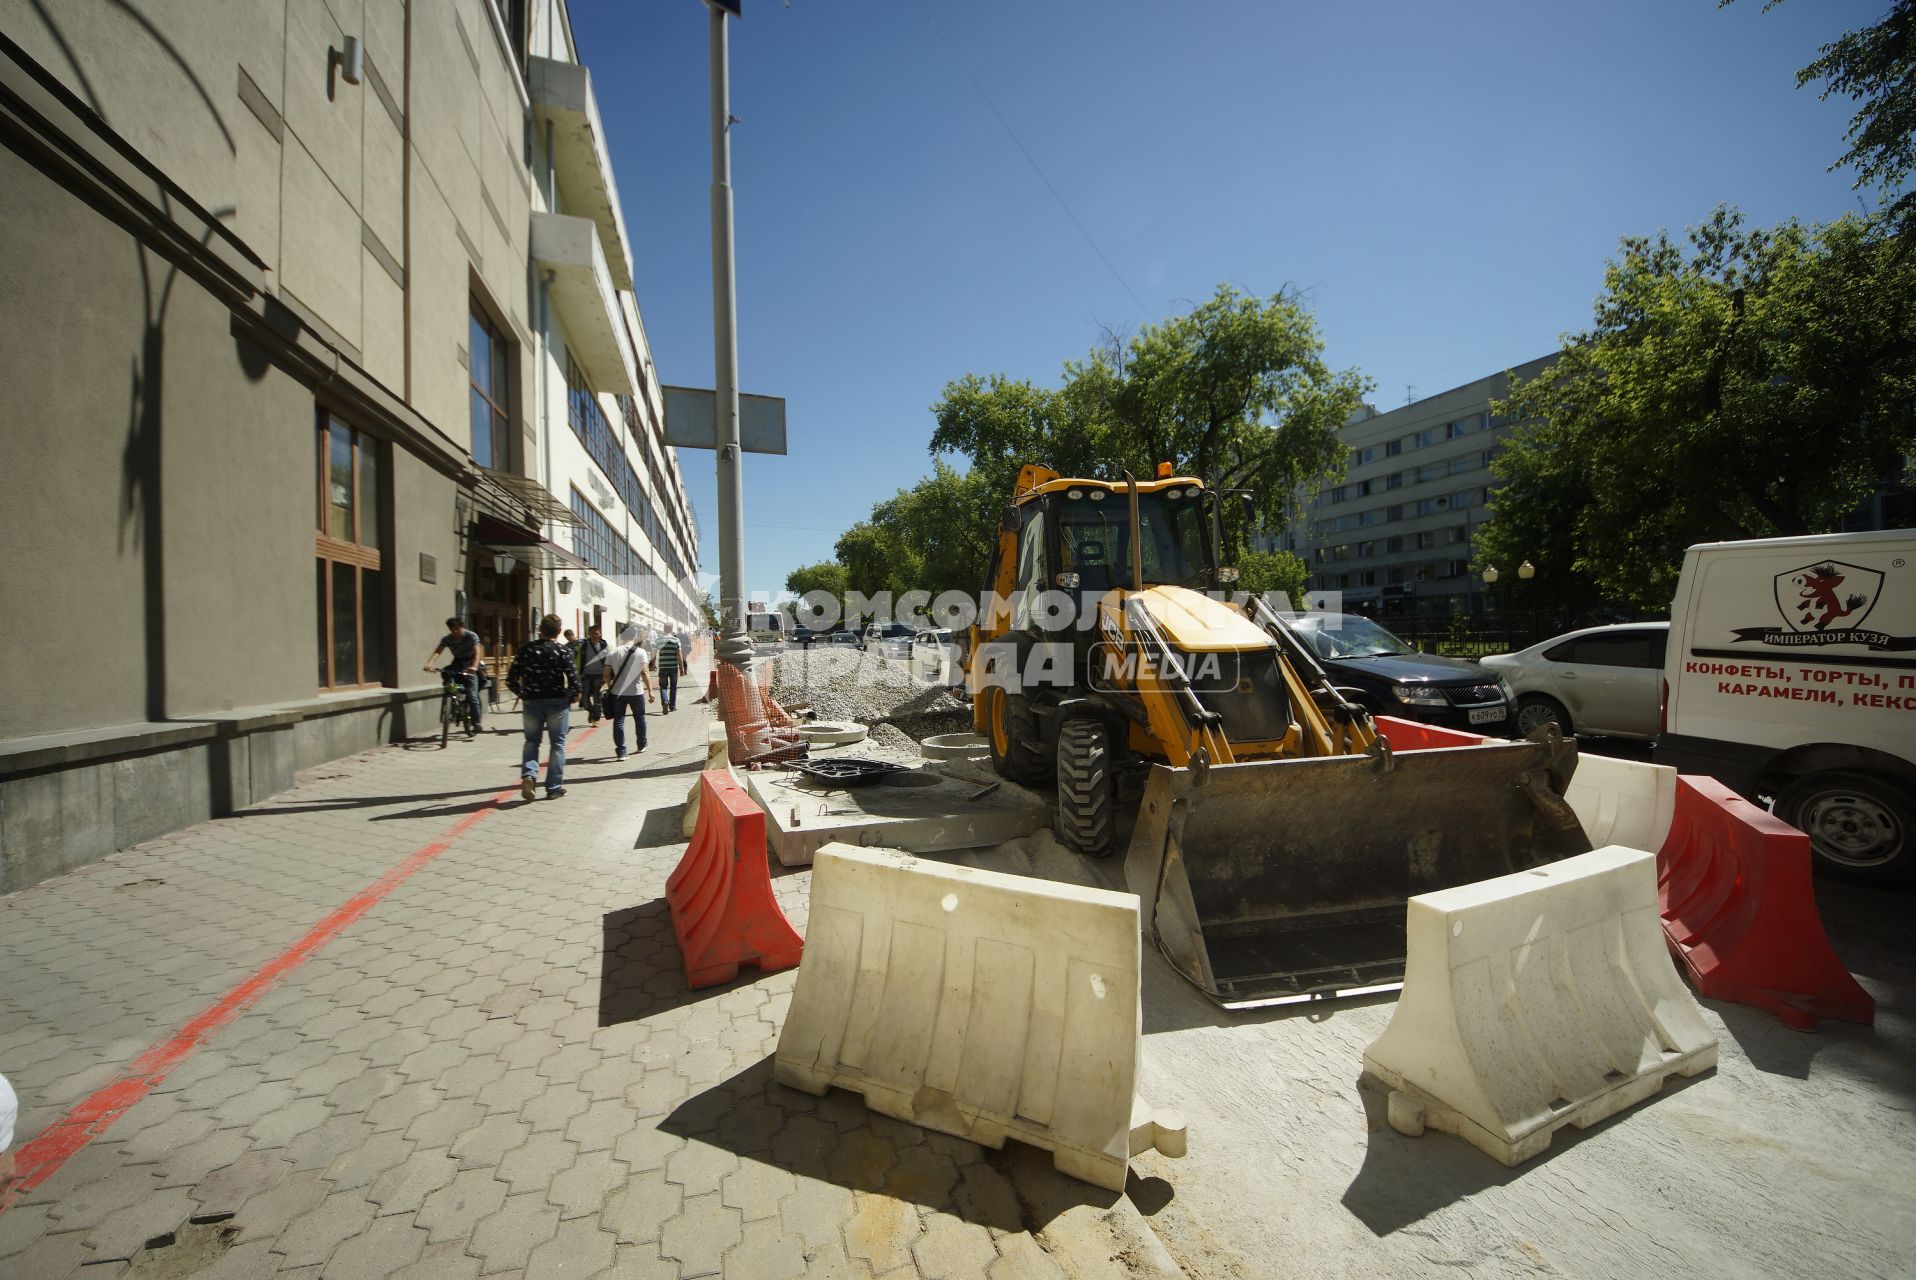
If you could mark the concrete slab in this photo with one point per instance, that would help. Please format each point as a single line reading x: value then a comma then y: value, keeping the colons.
x: 921, y: 810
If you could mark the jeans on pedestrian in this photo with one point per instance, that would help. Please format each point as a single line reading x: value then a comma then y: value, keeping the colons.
x: 471, y: 680
x: 591, y: 698
x: 547, y: 716
x: 616, y: 705
x: 669, y: 690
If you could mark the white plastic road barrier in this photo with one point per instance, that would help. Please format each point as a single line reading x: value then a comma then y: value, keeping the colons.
x: 1626, y: 802
x: 1537, y: 1000
x: 980, y: 1004
x: 717, y: 756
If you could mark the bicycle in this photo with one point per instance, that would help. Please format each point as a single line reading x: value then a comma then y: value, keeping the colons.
x: 455, y: 705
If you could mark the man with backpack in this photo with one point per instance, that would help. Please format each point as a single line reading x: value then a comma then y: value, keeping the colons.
x: 667, y: 662
x: 546, y: 680
x: 627, y: 685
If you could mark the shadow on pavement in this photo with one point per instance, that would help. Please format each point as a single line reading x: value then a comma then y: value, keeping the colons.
x: 661, y: 827
x: 1403, y: 1180
x: 836, y: 1139
x: 640, y: 970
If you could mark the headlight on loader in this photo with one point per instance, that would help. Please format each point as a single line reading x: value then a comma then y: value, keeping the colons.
x: 1419, y: 695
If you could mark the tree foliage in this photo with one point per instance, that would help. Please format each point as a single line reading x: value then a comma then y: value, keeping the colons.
x: 1236, y: 392
x: 1262, y: 572
x: 1750, y: 384
x: 1876, y: 68
x: 935, y: 536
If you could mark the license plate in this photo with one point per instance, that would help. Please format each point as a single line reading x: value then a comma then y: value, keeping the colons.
x: 1487, y: 715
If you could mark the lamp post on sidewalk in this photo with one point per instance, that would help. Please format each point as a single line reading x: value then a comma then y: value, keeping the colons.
x: 734, y: 644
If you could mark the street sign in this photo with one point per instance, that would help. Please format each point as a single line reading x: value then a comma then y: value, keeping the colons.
x: 691, y: 420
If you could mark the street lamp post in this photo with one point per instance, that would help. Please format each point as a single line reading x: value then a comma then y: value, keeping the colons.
x: 734, y: 644
x: 1490, y: 581
x: 1527, y: 571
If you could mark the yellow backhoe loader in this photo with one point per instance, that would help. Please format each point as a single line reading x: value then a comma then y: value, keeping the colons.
x: 1278, y: 835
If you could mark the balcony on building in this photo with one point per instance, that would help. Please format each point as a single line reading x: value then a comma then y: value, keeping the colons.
x: 584, y: 296
x: 562, y: 96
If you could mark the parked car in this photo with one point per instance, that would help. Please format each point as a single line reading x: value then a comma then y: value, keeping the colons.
x: 936, y: 657
x: 1791, y: 676
x: 888, y: 639
x: 1601, y: 681
x: 1390, y: 677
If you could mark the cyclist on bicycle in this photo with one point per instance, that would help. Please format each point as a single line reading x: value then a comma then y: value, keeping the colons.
x: 463, y: 665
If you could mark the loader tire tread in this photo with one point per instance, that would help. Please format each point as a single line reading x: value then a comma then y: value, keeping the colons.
x: 1024, y: 759
x: 1087, y: 806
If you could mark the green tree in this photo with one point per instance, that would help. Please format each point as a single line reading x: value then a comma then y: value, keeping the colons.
x: 1235, y: 392
x: 826, y: 577
x: 1261, y: 572
x: 1757, y: 383
x: 1876, y: 68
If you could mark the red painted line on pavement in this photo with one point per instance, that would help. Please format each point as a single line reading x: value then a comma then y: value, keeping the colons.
x: 41, y: 1157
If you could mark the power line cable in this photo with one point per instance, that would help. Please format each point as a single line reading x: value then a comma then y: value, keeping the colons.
x: 925, y: 8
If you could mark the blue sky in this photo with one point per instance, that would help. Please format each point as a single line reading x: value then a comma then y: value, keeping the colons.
x: 1443, y: 181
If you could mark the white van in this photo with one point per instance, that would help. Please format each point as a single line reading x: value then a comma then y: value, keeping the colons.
x: 1791, y: 676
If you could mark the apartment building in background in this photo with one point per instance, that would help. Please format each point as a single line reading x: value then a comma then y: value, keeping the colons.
x: 318, y: 324
x: 1394, y: 537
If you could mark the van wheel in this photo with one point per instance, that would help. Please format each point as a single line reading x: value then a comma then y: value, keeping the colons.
x: 1016, y: 741
x: 1087, y: 809
x: 1534, y: 711
x: 1861, y: 826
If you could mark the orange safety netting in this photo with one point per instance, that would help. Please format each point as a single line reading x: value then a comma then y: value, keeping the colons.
x: 756, y: 727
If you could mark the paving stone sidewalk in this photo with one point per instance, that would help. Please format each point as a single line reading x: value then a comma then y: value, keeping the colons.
x: 496, y: 1069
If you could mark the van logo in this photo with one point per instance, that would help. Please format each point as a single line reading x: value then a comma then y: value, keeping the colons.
x: 1825, y: 603
x: 1827, y: 595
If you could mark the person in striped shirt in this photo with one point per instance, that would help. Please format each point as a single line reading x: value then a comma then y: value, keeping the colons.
x: 665, y: 664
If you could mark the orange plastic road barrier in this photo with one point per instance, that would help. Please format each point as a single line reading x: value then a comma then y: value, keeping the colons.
x: 723, y: 911
x: 1408, y: 735
x: 1740, y: 914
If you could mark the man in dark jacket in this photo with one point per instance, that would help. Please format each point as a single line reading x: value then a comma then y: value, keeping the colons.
x: 546, y: 679
x: 592, y: 673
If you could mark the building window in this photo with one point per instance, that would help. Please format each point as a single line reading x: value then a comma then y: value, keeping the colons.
x: 487, y: 364
x: 1394, y: 480
x: 352, y: 587
x: 1393, y: 448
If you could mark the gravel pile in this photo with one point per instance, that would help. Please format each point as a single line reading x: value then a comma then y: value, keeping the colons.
x: 842, y: 684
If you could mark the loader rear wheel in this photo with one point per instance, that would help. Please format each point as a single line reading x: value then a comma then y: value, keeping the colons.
x: 1016, y: 741
x: 1087, y: 808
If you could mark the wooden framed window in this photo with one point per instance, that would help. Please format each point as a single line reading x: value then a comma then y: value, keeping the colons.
x: 352, y: 589
x: 487, y: 364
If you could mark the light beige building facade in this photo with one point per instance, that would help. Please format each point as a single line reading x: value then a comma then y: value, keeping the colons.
x: 1394, y: 539
x: 318, y: 321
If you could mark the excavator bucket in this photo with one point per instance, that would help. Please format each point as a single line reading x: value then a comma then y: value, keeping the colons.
x: 1288, y: 878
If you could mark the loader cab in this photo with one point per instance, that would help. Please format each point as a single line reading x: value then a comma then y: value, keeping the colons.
x: 1076, y: 539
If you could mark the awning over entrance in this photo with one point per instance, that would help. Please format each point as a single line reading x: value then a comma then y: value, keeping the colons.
x: 520, y: 501
x: 527, y: 546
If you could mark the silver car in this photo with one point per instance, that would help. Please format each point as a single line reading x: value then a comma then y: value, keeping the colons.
x: 1600, y: 681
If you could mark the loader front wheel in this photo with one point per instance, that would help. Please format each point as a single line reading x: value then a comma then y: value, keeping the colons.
x: 1087, y: 806
x: 1016, y: 741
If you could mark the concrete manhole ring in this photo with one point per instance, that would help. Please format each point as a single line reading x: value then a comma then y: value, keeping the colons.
x: 832, y: 733
x: 955, y: 746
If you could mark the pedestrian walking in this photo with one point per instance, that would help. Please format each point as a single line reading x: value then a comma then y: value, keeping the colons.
x: 464, y: 652
x: 627, y: 686
x: 667, y: 662
x: 546, y: 679
x: 592, y: 673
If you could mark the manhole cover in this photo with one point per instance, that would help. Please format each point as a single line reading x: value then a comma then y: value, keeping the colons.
x: 846, y: 771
